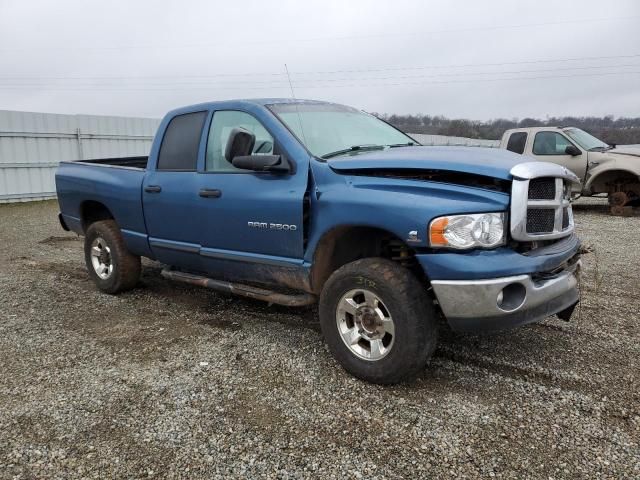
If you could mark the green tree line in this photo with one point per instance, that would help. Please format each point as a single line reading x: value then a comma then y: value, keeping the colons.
x: 620, y: 130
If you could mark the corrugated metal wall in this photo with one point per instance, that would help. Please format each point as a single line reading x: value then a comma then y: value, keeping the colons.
x: 458, y: 141
x: 32, y: 145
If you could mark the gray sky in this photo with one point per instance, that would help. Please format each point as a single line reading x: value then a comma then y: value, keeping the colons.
x: 472, y: 59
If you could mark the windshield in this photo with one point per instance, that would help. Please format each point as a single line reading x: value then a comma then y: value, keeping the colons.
x: 332, y: 130
x: 585, y: 140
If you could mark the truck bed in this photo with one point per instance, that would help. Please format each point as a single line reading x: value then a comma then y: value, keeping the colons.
x: 115, y: 183
x: 130, y: 162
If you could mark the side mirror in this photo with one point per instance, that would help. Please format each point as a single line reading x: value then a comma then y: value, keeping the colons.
x: 262, y: 163
x: 572, y: 150
x: 240, y: 143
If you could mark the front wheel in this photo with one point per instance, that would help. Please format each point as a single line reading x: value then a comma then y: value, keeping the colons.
x: 378, y: 320
x: 111, y: 266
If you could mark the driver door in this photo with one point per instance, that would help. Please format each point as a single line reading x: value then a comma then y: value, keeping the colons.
x: 253, y: 228
x: 549, y: 146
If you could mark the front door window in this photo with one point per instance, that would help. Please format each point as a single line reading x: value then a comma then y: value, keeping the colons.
x: 223, y: 122
x: 550, y: 143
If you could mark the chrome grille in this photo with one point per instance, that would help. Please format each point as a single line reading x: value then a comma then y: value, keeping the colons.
x: 540, y: 220
x: 565, y: 218
x: 540, y: 202
x: 542, y: 188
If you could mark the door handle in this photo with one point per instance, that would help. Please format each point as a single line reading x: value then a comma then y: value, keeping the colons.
x: 210, y: 193
x: 153, y: 189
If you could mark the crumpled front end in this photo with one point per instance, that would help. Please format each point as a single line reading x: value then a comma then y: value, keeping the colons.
x: 534, y: 277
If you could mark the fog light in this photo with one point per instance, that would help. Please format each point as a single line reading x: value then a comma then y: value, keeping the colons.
x: 511, y: 297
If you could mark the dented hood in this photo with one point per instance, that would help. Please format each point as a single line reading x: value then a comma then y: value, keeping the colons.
x: 626, y: 157
x: 633, y: 150
x: 489, y: 162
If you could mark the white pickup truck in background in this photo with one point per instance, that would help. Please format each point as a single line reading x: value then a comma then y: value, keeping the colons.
x: 602, y: 168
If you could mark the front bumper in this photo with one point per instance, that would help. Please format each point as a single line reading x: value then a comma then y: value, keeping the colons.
x: 506, y: 302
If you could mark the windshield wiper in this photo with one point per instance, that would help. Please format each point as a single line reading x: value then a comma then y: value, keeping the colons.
x: 365, y: 148
x: 396, y: 145
x: 353, y: 148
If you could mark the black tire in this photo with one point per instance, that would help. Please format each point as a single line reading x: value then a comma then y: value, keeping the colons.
x: 407, y: 302
x: 126, y: 266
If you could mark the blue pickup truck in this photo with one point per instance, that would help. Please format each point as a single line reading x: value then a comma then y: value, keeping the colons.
x: 295, y: 202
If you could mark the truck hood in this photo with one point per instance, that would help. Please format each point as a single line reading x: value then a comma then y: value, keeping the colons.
x: 632, y: 150
x: 623, y: 155
x: 488, y: 162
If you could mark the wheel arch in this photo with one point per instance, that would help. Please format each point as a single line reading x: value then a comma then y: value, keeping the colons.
x: 92, y: 211
x: 346, y: 243
x: 600, y: 181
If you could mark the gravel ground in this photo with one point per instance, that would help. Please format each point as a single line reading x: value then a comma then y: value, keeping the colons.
x: 172, y: 381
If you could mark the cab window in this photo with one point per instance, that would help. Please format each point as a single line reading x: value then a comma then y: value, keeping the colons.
x: 516, y: 142
x: 223, y: 122
x: 179, y: 148
x: 550, y: 143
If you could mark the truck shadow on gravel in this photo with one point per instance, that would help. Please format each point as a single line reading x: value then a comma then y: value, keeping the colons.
x: 208, y: 301
x: 499, y: 353
x: 522, y: 354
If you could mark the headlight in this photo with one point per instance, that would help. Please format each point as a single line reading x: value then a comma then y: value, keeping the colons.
x: 478, y: 230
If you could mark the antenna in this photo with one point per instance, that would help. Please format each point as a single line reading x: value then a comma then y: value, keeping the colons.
x: 286, y: 69
x: 293, y: 96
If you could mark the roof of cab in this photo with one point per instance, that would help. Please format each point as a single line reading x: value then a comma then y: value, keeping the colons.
x: 236, y: 103
x: 272, y: 101
x: 537, y: 129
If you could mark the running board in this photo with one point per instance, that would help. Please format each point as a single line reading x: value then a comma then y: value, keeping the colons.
x: 256, y: 293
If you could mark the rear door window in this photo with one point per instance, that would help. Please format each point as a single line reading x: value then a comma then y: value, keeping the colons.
x: 179, y: 149
x: 516, y: 142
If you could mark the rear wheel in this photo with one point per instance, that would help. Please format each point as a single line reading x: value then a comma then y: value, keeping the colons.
x: 378, y: 320
x: 111, y: 266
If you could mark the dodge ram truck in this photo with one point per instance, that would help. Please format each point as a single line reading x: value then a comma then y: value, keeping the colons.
x: 601, y: 168
x: 295, y: 202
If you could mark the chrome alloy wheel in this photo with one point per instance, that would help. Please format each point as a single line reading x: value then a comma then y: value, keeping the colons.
x: 101, y: 258
x: 365, y: 324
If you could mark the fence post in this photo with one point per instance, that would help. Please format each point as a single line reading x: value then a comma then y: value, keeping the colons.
x: 79, y: 137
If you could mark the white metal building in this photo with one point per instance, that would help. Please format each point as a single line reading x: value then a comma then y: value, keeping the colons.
x: 32, y: 145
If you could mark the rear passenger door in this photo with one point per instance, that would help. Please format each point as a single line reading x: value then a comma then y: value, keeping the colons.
x: 549, y: 146
x: 170, y: 194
